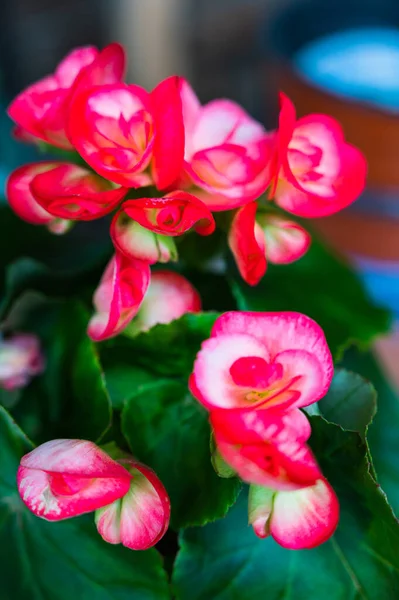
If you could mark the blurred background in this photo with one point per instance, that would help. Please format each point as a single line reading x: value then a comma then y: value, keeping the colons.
x: 334, y: 56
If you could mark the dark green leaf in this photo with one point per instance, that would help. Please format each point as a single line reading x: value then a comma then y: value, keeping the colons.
x: 350, y: 402
x: 383, y: 436
x: 214, y: 289
x: 61, y: 561
x: 123, y: 380
x: 70, y: 398
x: 84, y: 246
x: 225, y: 560
x: 165, y: 349
x: 168, y: 430
x: 323, y: 287
x: 29, y: 275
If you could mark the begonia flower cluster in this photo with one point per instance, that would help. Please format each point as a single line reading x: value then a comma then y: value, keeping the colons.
x: 253, y: 375
x: 160, y: 165
x: 163, y: 164
x: 66, y: 478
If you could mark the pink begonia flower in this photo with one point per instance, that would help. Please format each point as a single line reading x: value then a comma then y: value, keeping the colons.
x: 20, y: 360
x: 262, y: 360
x: 67, y: 478
x: 266, y: 447
x: 128, y: 135
x: 228, y: 154
x: 118, y: 296
x: 68, y: 191
x: 22, y: 201
x: 296, y: 519
x: 169, y: 297
x: 285, y: 240
x: 248, y: 245
x: 172, y: 215
x: 137, y: 242
x: 254, y: 242
x: 139, y: 519
x: 41, y: 110
x: 317, y: 173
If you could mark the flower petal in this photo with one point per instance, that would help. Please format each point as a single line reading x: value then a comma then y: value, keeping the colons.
x: 247, y: 243
x: 169, y: 297
x: 173, y: 214
x: 141, y: 517
x: 71, y: 192
x: 286, y: 241
x: 111, y: 126
x: 212, y: 376
x: 137, y: 242
x: 264, y: 448
x: 66, y: 478
x: 279, y: 331
x: 168, y: 151
x: 118, y: 297
x: 305, y: 518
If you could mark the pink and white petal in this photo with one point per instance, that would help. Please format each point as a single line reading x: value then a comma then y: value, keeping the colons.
x: 153, y: 512
x: 168, y: 297
x: 246, y: 426
x: 305, y: 518
x: 191, y: 111
x: 262, y: 450
x: 70, y: 67
x: 108, y: 67
x: 118, y: 297
x: 216, y: 123
x: 72, y: 192
x: 168, y: 150
x: 172, y: 215
x: 298, y: 422
x: 19, y: 194
x: 133, y: 240
x: 323, y: 131
x: 66, y: 478
x: 313, y: 376
x: 247, y: 243
x: 73, y: 457
x: 212, y: 369
x: 36, y: 490
x: 141, y: 517
x: 286, y: 241
x: 27, y: 110
x: 278, y: 331
x: 107, y: 521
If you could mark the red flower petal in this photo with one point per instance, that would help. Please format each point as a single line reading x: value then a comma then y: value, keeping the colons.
x: 247, y: 243
x: 118, y: 297
x: 173, y: 214
x: 168, y: 151
x: 71, y: 192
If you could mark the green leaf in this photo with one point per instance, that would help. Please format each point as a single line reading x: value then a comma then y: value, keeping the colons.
x: 383, y: 437
x: 83, y: 247
x: 168, y: 430
x: 59, y: 561
x: 323, y: 287
x: 225, y: 560
x: 350, y: 402
x: 122, y: 380
x: 165, y: 349
x: 30, y: 275
x: 70, y: 398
